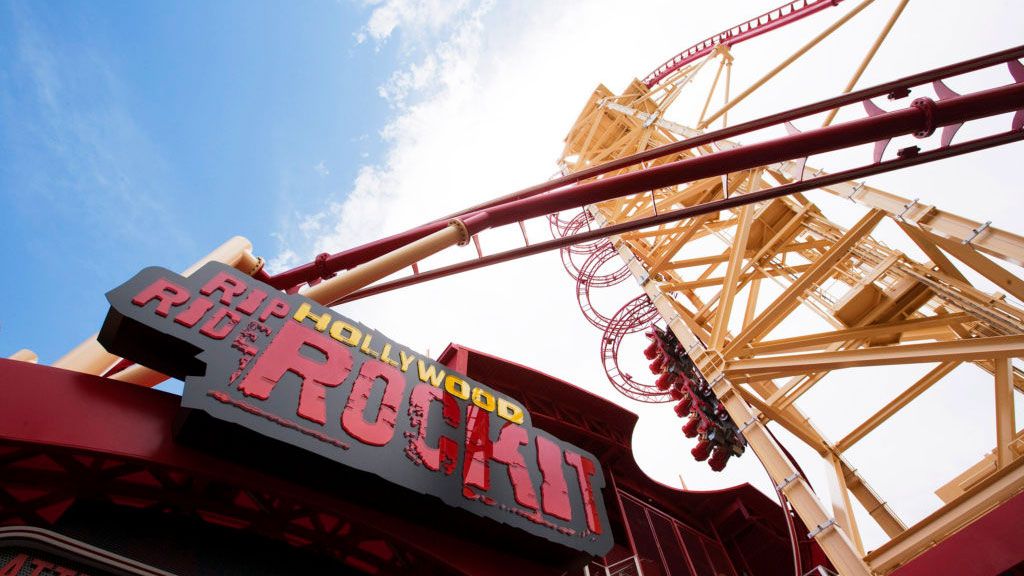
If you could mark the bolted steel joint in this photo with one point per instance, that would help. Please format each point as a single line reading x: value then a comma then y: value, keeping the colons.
x: 926, y: 105
x: 320, y: 263
x: 464, y: 235
x: 260, y: 262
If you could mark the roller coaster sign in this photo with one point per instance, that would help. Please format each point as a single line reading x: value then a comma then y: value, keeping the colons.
x: 285, y: 367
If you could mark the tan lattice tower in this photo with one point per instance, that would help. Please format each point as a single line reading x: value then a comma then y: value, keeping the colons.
x: 881, y: 307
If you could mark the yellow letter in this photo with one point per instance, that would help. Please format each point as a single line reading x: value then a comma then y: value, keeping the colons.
x: 483, y: 399
x: 338, y: 330
x: 435, y: 376
x: 510, y: 411
x: 384, y: 355
x: 457, y: 387
x: 406, y: 359
x: 365, y: 349
x: 322, y: 320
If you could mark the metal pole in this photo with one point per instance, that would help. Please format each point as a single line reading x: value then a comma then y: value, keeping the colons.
x: 360, y: 254
x: 782, y: 66
x: 868, y: 57
x: 921, y: 116
x: 25, y: 355
x: 714, y: 85
x: 691, y: 212
x: 364, y: 274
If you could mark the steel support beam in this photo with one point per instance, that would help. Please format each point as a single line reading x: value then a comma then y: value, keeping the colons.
x: 690, y: 212
x: 822, y: 339
x: 956, y: 350
x: 905, y: 397
x: 792, y: 296
x: 360, y: 254
x: 992, y: 491
x: 1006, y: 426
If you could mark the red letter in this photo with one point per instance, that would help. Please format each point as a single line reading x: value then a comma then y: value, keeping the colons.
x: 475, y: 468
x: 40, y: 566
x: 211, y: 330
x: 13, y: 568
x: 194, y: 313
x: 252, y: 302
x: 168, y: 293
x: 554, y: 492
x: 451, y: 411
x: 506, y: 451
x: 584, y: 470
x: 283, y: 355
x: 277, y: 307
x: 353, y: 420
x: 480, y: 451
x: 447, y: 452
x: 228, y: 285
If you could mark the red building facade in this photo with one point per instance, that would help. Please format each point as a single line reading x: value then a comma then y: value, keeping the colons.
x: 96, y: 463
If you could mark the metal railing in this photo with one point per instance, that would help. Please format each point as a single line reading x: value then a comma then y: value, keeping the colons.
x: 625, y: 567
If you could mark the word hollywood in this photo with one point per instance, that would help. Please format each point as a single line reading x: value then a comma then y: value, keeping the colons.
x: 288, y: 368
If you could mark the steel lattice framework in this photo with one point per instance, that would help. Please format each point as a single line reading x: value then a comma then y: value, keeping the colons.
x: 882, y: 306
x: 706, y: 225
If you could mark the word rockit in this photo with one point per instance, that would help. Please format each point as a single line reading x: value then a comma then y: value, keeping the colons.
x: 293, y: 370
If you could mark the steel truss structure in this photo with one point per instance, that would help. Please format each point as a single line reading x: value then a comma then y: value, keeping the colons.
x: 656, y: 194
x: 881, y: 306
x: 884, y: 308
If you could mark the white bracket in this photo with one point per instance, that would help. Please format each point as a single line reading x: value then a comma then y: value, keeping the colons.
x: 748, y: 424
x: 906, y: 208
x: 856, y: 189
x: 830, y: 523
x: 787, y: 480
x: 976, y: 232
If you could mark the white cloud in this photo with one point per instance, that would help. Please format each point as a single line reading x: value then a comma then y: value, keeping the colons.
x: 481, y: 101
x: 321, y: 169
x: 283, y: 261
x: 478, y: 113
x: 418, y: 19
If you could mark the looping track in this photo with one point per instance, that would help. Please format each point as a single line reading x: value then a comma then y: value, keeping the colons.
x: 637, y: 315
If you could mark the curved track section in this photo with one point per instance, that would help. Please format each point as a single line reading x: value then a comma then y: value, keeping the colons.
x: 571, y: 255
x: 637, y: 315
x: 590, y: 277
x: 557, y: 225
x: 788, y: 12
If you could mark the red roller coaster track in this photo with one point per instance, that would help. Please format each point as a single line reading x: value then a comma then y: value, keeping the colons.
x: 513, y: 207
x: 785, y: 14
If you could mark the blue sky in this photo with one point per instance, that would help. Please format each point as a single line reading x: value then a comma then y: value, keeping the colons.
x: 140, y: 133
x: 148, y: 133
x: 144, y: 133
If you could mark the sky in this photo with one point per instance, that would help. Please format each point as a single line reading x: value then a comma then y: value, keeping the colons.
x: 148, y: 133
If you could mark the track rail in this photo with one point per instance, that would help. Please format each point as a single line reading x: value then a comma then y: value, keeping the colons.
x: 694, y: 211
x: 777, y: 18
x: 332, y: 263
x: 637, y: 315
x: 591, y: 275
